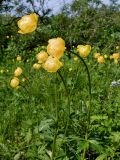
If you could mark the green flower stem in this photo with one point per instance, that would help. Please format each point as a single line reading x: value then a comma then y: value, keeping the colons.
x: 89, y: 106
x: 68, y: 102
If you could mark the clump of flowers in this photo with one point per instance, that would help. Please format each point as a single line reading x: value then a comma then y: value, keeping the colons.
x: 83, y: 50
x: 50, y: 60
x: 28, y: 23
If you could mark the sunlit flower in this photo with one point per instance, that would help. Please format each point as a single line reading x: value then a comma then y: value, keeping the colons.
x: 36, y: 66
x: 56, y: 47
x: 52, y: 64
x: 19, y: 58
x: 18, y: 71
x: 28, y: 23
x: 14, y: 82
x: 96, y: 55
x: 116, y: 55
x: 42, y: 56
x: 101, y: 59
x: 84, y: 50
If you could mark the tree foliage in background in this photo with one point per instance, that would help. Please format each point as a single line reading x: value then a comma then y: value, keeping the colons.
x: 82, y: 22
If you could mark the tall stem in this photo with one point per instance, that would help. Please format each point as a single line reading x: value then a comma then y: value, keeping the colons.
x: 89, y: 106
x: 68, y: 102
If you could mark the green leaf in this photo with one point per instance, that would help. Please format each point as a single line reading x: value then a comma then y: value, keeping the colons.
x: 96, y: 146
x: 82, y: 145
x: 101, y: 157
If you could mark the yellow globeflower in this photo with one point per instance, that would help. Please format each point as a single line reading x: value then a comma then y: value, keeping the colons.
x: 18, y: 71
x: 52, y: 64
x: 101, y: 59
x: 28, y: 23
x: 84, y: 50
x: 96, y: 55
x: 14, y: 82
x: 116, y: 55
x: 36, y: 66
x: 56, y: 47
x: 42, y: 56
x: 19, y: 58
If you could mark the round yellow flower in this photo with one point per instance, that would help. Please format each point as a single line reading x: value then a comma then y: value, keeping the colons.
x: 56, y: 47
x: 101, y: 59
x: 28, y: 23
x: 116, y: 55
x: 84, y: 50
x: 19, y: 58
x: 14, y: 82
x: 18, y: 71
x: 36, y: 66
x: 42, y: 56
x: 52, y: 64
x: 96, y: 55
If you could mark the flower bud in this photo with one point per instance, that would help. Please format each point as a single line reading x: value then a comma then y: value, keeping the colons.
x: 18, y: 71
x: 36, y: 66
x: 42, y: 56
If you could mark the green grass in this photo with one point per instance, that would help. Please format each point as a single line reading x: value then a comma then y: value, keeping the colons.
x: 35, y: 115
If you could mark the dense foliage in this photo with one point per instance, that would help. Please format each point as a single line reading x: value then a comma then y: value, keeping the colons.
x: 71, y: 114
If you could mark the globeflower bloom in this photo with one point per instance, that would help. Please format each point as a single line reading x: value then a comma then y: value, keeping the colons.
x: 42, y: 56
x: 36, y: 66
x: 101, y: 59
x: 84, y: 50
x: 18, y: 71
x: 14, y: 82
x: 52, y: 64
x: 96, y: 55
x: 28, y: 23
x: 116, y: 56
x: 56, y: 47
x: 19, y: 58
